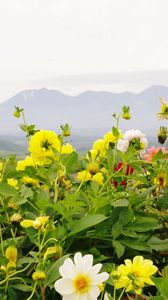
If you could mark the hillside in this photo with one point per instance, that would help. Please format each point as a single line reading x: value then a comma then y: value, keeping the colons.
x: 89, y: 113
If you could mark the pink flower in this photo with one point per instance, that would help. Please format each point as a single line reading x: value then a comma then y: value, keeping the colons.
x: 152, y: 151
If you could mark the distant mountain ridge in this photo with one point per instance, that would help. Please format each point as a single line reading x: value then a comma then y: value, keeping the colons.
x: 85, y: 112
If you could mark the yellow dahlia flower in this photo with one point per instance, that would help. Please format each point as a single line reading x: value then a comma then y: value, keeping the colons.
x: 27, y: 162
x: 30, y: 181
x: 13, y: 182
x: 160, y: 180
x: 93, y: 167
x: 38, y: 223
x: 109, y: 137
x: 98, y: 177
x: 44, y: 143
x: 100, y: 147
x: 84, y: 176
x: 134, y: 274
x: 91, y: 173
x: 67, y: 149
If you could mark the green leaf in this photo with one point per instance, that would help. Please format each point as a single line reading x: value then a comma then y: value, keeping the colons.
x: 146, y: 192
x: 157, y: 244
x: 23, y: 127
x: 119, y: 248
x: 70, y: 160
x: 42, y: 202
x: 156, y: 298
x: 120, y: 202
x: 26, y: 192
x: 27, y: 260
x: 162, y: 286
x: 125, y: 216
x: 129, y: 232
x: 162, y: 202
x: 115, y: 131
x: 86, y: 222
x: 22, y: 287
x: 136, y: 244
x: 143, y: 224
x: 117, y: 230
x: 53, y: 272
x: 7, y: 190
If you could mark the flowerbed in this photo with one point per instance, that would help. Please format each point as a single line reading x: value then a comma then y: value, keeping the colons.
x: 85, y: 228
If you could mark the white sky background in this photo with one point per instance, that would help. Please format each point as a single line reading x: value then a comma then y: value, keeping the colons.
x: 74, y: 45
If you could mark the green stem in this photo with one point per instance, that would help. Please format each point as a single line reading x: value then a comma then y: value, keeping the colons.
x: 115, y: 148
x: 33, y: 206
x: 4, y: 167
x: 114, y: 293
x: 79, y: 187
x: 43, y: 292
x: 9, y: 277
x: 51, y: 239
x: 122, y: 293
x: 6, y: 286
x: 1, y: 238
x: 56, y: 190
x: 24, y: 122
x: 108, y: 179
x: 33, y: 291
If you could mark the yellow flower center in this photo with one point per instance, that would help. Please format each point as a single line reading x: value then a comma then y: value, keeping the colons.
x: 93, y: 168
x: 136, y: 273
x: 46, y: 144
x: 82, y: 283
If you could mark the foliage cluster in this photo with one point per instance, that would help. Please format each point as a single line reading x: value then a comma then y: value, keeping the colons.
x: 111, y: 203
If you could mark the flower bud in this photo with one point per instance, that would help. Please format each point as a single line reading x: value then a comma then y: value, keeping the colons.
x: 11, y: 254
x: 163, y: 114
x: 66, y: 129
x: 162, y: 134
x: 39, y: 275
x: 126, y: 113
x: 11, y: 265
x: 53, y: 251
x: 15, y: 218
x: 17, y: 112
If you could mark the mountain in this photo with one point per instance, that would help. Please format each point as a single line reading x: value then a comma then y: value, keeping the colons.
x: 87, y: 113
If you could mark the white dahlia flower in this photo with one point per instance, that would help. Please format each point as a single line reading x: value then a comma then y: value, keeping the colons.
x: 135, y: 138
x: 122, y: 145
x: 80, y: 279
x: 135, y: 134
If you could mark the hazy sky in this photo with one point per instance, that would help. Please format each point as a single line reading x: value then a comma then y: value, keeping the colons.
x: 75, y: 45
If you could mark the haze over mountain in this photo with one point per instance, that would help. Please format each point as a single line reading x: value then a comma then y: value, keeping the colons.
x: 88, y: 113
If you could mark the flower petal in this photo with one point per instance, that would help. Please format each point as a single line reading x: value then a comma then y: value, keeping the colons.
x: 95, y: 269
x: 83, y: 264
x: 64, y: 286
x: 94, y: 291
x: 99, y: 278
x: 68, y: 269
x: 87, y: 262
x: 73, y: 296
x: 78, y: 260
x: 82, y: 296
